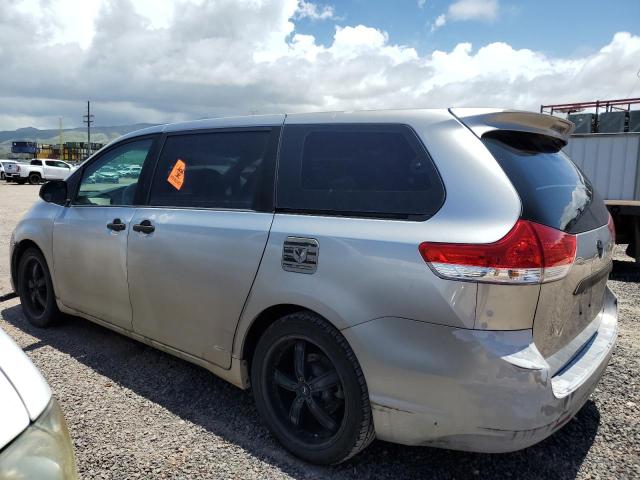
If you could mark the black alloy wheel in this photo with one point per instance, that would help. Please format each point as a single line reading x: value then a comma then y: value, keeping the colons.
x: 306, y: 389
x: 36, y: 289
x: 310, y: 389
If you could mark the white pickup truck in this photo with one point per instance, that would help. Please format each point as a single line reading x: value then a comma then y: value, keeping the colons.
x: 3, y: 164
x: 37, y: 171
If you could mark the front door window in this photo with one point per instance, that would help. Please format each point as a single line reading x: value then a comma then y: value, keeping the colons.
x: 113, y: 179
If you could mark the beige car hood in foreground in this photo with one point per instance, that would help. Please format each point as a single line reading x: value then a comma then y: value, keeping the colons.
x: 24, y: 393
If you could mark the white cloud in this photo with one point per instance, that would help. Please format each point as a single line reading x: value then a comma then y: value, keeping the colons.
x: 473, y: 10
x: 463, y: 10
x: 314, y: 12
x: 440, y: 21
x: 421, y: 3
x: 233, y: 57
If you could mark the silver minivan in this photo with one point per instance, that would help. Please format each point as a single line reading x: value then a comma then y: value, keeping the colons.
x: 426, y: 277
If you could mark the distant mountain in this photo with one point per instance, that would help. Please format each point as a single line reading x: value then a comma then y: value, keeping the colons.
x: 98, y: 134
x: 35, y: 134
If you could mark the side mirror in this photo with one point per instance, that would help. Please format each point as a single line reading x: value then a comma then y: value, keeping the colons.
x: 55, y: 191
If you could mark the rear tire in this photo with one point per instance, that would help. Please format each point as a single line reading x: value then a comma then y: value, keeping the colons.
x: 35, y: 179
x: 310, y: 390
x: 36, y: 289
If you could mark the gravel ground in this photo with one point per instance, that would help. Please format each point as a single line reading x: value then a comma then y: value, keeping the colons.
x: 135, y: 412
x: 15, y: 200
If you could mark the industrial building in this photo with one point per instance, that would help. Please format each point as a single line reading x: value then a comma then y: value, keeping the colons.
x: 68, y: 151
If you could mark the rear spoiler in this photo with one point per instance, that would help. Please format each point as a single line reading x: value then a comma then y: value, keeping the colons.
x: 483, y: 120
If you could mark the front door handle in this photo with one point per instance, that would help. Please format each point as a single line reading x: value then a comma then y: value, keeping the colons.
x: 144, y: 227
x: 116, y: 225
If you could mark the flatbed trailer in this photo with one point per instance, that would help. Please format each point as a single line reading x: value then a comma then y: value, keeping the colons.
x: 626, y: 217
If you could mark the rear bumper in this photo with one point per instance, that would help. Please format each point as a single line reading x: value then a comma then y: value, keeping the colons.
x: 484, y: 391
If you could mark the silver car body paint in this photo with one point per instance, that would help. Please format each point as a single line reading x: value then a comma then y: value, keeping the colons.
x: 483, y: 120
x: 470, y: 389
x: 448, y: 363
x: 194, y: 273
x: 83, y: 247
x: 36, y: 227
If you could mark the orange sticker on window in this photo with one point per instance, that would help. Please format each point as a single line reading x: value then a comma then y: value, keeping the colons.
x: 176, y: 177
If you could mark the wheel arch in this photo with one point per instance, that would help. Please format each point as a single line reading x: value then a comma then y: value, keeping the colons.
x: 21, y: 247
x: 260, y: 324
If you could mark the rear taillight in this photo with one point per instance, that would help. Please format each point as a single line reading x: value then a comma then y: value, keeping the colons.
x: 612, y: 229
x: 559, y: 251
x: 529, y: 253
x: 18, y: 168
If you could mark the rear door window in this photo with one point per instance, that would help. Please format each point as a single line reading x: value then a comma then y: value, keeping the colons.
x: 357, y: 170
x: 552, y: 189
x: 226, y: 169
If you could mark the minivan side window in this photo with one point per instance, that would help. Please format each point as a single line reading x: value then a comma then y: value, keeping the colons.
x: 110, y: 179
x: 357, y: 170
x: 212, y: 170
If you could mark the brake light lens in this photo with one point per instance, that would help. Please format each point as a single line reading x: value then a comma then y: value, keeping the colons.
x: 612, y: 229
x: 529, y: 253
x: 559, y: 250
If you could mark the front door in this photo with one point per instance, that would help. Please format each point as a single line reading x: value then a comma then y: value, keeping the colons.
x: 90, y: 238
x: 194, y: 251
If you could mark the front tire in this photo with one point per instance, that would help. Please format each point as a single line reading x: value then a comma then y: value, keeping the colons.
x: 310, y: 390
x: 36, y: 289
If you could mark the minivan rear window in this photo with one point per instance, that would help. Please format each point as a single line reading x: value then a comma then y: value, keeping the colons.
x: 552, y: 189
x: 357, y: 170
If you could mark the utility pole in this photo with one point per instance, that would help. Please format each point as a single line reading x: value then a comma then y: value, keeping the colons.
x: 88, y: 119
x: 61, y: 140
